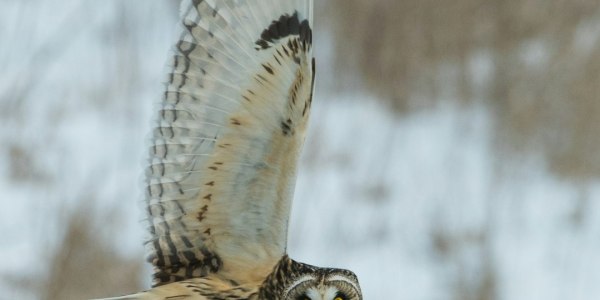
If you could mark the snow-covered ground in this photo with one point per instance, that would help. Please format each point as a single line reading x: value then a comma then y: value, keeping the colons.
x: 413, y: 204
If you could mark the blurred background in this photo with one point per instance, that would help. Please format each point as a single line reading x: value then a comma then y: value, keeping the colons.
x: 453, y: 153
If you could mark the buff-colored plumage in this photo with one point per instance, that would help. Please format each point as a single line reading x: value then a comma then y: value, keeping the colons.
x: 224, y: 152
x: 221, y: 173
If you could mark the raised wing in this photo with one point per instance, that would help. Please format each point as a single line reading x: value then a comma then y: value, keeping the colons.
x: 227, y: 139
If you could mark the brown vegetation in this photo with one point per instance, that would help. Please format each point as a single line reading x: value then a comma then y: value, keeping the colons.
x: 86, y: 265
x: 543, y: 88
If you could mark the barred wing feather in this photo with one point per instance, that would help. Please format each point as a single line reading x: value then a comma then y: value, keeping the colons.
x: 227, y: 137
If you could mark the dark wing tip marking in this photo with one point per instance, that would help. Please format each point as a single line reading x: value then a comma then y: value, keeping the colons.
x: 268, y: 69
x: 181, y: 265
x: 285, y: 26
x: 285, y: 128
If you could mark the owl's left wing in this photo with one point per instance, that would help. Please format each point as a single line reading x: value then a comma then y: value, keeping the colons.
x: 227, y: 139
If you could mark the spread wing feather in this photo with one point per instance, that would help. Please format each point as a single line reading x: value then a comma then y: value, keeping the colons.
x: 226, y: 139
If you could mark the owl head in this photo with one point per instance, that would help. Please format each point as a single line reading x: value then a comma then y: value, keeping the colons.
x: 292, y: 280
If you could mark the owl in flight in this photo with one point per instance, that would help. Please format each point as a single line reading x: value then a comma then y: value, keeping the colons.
x: 223, y: 158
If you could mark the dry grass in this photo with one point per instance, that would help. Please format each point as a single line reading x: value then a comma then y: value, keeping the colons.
x: 86, y: 265
x: 414, y: 54
x: 542, y: 92
x: 467, y: 257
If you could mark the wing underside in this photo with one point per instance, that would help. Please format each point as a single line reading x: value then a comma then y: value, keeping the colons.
x: 227, y: 138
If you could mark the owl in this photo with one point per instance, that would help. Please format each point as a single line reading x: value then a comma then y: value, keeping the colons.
x: 224, y: 154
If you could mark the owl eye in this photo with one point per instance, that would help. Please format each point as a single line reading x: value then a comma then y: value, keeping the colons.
x: 303, y: 297
x: 340, y: 296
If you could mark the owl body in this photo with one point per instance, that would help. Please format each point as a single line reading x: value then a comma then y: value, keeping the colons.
x: 222, y: 162
x: 289, y: 280
x: 202, y: 288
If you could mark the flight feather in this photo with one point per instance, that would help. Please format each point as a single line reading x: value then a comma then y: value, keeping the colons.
x: 227, y: 137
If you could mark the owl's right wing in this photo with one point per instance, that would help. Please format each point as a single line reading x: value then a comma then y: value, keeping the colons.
x: 227, y: 139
